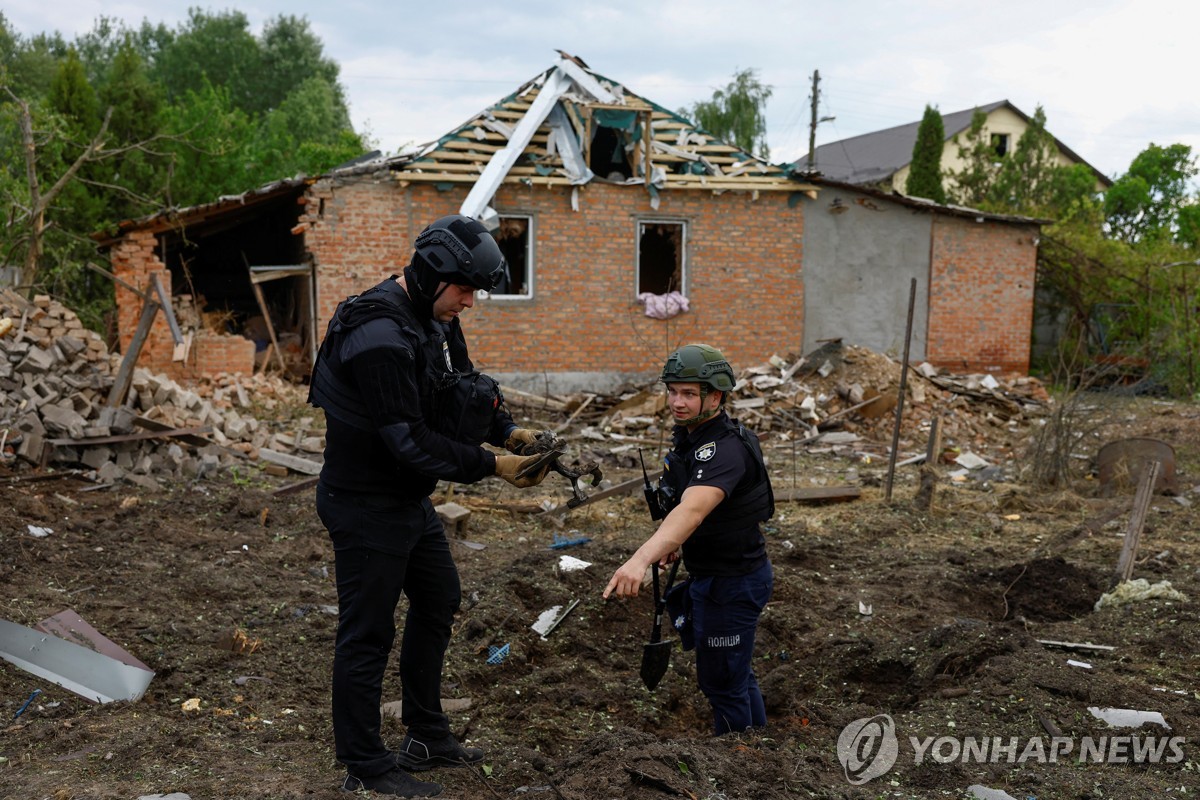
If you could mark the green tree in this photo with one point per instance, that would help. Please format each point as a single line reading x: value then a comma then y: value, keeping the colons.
x: 291, y: 55
x: 209, y: 144
x: 1146, y: 202
x: 307, y: 133
x: 219, y: 47
x: 925, y: 174
x: 971, y: 185
x: 737, y: 113
x: 72, y: 95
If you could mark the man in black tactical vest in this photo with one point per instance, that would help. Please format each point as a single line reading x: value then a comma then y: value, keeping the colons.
x: 405, y: 408
x: 713, y: 494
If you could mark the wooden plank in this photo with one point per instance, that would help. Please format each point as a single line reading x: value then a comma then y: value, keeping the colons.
x: 1077, y: 645
x: 294, y: 463
x: 625, y: 487
x: 120, y: 386
x: 818, y: 494
x: 165, y: 301
x: 298, y: 486
x: 262, y: 306
x: 133, y: 437
x: 1137, y: 520
x: 192, y: 439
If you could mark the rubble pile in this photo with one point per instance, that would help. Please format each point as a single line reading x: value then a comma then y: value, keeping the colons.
x: 843, y: 398
x: 55, y: 380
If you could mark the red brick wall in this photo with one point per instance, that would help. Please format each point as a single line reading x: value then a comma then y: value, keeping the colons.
x: 134, y: 260
x: 743, y: 271
x: 744, y: 279
x: 981, y: 295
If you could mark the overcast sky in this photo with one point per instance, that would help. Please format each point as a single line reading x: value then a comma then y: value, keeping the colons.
x: 1112, y: 75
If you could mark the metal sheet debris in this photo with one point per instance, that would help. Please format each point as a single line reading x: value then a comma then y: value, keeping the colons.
x: 91, y: 675
x: 1128, y: 717
x: 549, y: 619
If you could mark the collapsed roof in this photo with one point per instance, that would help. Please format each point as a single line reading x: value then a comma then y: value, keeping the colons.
x: 570, y: 126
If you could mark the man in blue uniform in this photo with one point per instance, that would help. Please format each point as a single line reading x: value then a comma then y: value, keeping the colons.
x: 404, y: 409
x: 715, y: 490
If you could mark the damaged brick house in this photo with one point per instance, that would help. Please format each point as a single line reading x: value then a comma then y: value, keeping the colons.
x: 628, y: 231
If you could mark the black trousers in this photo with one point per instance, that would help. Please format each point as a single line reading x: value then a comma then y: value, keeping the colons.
x: 383, y: 547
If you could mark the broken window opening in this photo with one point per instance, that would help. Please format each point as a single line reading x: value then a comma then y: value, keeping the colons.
x: 515, y: 237
x: 661, y: 257
x: 607, y: 156
x: 1000, y: 144
x: 615, y: 136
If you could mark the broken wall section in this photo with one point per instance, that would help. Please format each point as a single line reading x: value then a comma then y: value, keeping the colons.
x: 134, y: 260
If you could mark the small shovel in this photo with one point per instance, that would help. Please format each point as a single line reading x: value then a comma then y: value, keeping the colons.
x: 656, y: 655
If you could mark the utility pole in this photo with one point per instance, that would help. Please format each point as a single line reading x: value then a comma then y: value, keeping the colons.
x: 812, y: 127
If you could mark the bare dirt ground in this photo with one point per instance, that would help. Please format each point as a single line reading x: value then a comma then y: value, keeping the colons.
x: 960, y: 596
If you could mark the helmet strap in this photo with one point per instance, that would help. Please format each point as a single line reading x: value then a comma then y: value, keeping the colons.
x: 421, y: 300
x: 703, y: 416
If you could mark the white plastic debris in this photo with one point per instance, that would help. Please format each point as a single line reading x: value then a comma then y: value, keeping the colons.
x: 1128, y: 717
x: 572, y: 564
x: 39, y: 532
x: 988, y: 382
x: 1081, y: 664
x: 971, y: 461
x: 865, y: 609
x: 980, y: 792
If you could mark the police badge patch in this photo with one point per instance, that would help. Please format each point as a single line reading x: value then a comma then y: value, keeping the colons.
x: 705, y: 452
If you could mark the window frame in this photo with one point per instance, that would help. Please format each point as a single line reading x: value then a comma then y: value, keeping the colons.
x: 640, y: 232
x: 530, y: 231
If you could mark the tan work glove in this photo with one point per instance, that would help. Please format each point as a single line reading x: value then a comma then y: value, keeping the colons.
x: 519, y: 438
x: 509, y: 467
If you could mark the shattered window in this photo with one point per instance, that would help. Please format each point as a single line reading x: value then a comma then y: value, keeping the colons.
x: 516, y: 243
x: 660, y: 256
x: 615, y: 136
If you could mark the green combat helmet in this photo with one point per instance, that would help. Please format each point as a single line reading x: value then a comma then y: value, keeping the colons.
x: 702, y: 364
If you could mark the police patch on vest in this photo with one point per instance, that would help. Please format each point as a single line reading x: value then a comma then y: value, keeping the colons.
x: 705, y: 452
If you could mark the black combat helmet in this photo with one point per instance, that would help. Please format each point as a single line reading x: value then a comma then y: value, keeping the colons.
x: 457, y: 249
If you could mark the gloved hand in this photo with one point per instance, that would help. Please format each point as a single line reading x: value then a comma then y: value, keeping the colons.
x: 508, y: 467
x: 521, y: 438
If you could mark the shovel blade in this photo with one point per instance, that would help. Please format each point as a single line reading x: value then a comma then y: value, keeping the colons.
x: 656, y: 656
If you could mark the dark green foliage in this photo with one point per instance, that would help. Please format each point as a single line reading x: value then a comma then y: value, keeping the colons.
x: 925, y: 174
x: 1145, y: 204
x: 737, y: 113
x: 187, y: 114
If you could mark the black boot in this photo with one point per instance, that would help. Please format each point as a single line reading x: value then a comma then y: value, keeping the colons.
x: 417, y: 755
x: 395, y: 782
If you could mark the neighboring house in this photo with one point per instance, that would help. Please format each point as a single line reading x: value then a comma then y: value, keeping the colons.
x: 604, y: 204
x: 882, y: 159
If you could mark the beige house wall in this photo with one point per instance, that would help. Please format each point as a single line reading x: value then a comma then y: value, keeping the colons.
x: 1001, y: 120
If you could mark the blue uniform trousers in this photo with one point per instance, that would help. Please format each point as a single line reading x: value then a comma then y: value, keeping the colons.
x: 725, y: 612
